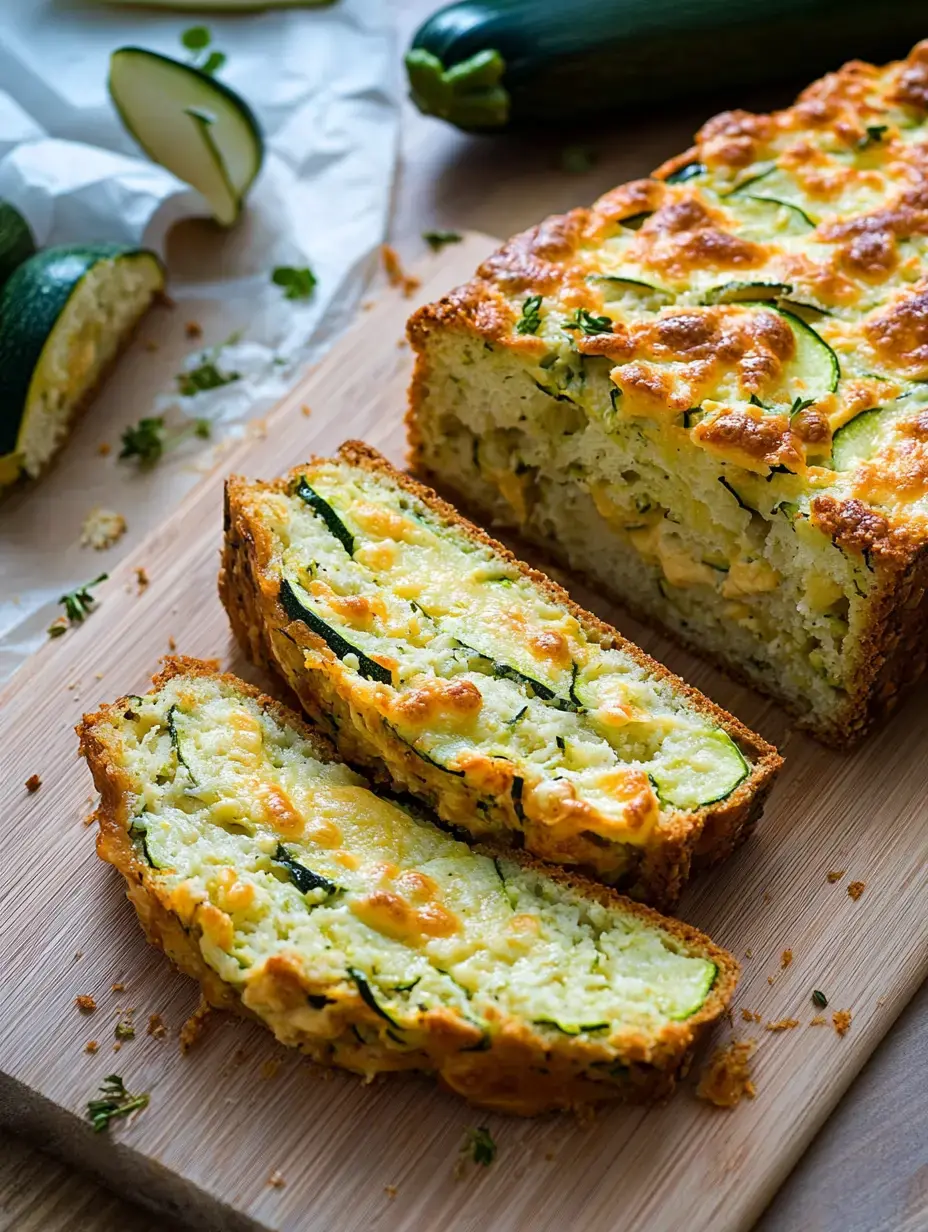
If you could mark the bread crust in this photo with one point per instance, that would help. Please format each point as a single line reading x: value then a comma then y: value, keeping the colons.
x: 655, y: 872
x: 543, y: 260
x: 520, y: 1071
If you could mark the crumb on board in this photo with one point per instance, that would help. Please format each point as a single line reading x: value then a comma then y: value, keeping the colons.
x: 85, y: 1003
x: 119, y: 986
x: 749, y: 953
x: 750, y: 1015
x: 782, y: 1024
x: 835, y: 875
x: 58, y: 627
x: 881, y: 1001
x: 269, y: 1068
x: 104, y: 449
x: 856, y: 888
x: 769, y: 979
x: 102, y: 528
x: 391, y: 1191
x: 193, y: 329
x: 842, y: 1021
x: 726, y: 1078
x: 818, y: 1021
x: 401, y: 344
x: 91, y: 1046
x: 305, y: 410
x: 156, y: 1026
x: 117, y: 1046
x: 172, y: 644
x: 276, y: 1179
x: 193, y: 1028
x: 768, y: 897
x: 78, y: 954
x: 786, y: 958
x: 142, y: 579
x: 396, y: 275
x: 33, y: 782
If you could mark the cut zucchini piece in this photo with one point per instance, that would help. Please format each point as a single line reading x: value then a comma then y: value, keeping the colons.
x: 295, y: 602
x: 327, y: 513
x: 740, y: 292
x: 616, y: 286
x: 814, y: 370
x: 65, y: 314
x: 857, y: 440
x: 761, y: 217
x: 700, y: 767
x: 16, y: 241
x: 775, y: 187
x: 190, y: 123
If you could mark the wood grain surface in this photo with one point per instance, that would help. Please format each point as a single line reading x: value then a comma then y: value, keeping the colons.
x: 239, y: 1108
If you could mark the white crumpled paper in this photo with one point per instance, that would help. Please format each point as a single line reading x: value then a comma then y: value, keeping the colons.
x: 324, y: 86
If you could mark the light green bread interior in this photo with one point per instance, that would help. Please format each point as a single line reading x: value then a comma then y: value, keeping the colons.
x: 448, y: 608
x: 211, y: 771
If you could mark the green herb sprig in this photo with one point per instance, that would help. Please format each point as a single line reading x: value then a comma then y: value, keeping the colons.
x: 437, y: 240
x: 298, y: 282
x: 584, y: 322
x: 530, y: 320
x: 197, y: 39
x: 114, y: 1101
x: 147, y: 440
x: 480, y: 1146
x: 205, y: 375
x: 78, y: 604
x: 800, y: 404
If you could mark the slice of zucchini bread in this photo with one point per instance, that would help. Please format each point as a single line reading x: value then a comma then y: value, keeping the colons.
x: 446, y: 668
x: 365, y: 935
x: 709, y: 393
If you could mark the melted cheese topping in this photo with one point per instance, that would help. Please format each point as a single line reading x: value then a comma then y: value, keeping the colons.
x: 761, y: 299
x: 340, y: 881
x: 486, y: 672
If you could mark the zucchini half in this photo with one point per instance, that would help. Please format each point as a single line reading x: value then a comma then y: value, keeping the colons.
x: 191, y: 124
x: 488, y: 64
x: 64, y: 316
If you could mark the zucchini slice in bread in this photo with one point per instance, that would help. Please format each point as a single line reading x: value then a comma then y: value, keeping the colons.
x: 448, y: 669
x: 365, y: 935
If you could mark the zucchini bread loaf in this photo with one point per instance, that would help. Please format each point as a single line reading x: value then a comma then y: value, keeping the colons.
x: 708, y: 393
x: 365, y: 935
x: 446, y: 668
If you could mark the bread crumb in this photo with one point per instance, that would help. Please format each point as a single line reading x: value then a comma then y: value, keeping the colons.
x: 782, y: 1024
x: 270, y: 1068
x: 172, y: 645
x: 769, y: 979
x: 305, y: 410
x: 80, y: 954
x: 104, y: 449
x: 193, y: 329
x: 749, y: 953
x: 856, y: 888
x: 102, y: 528
x: 835, y: 876
x: 881, y: 1001
x: 91, y: 1046
x: 156, y: 1026
x: 367, y: 305
x: 117, y: 1046
x: 118, y: 987
x: 396, y: 275
x: 401, y: 344
x: 817, y: 1021
x: 276, y: 1179
x: 85, y: 1003
x: 142, y: 579
x: 33, y: 782
x: 726, y: 1079
x: 390, y: 1191
x: 842, y: 1021
x: 750, y: 1016
x: 195, y: 1025
x: 786, y: 958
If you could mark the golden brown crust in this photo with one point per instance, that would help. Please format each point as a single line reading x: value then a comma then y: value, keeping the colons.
x: 520, y: 1071
x: 655, y: 871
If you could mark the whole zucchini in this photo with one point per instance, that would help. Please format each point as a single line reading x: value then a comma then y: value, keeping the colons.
x: 488, y: 64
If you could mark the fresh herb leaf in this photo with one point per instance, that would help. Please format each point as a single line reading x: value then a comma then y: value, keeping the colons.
x: 578, y: 159
x: 114, y: 1101
x: 479, y: 1145
x: 147, y: 441
x: 819, y: 999
x: 213, y: 63
x: 530, y: 319
x: 800, y: 404
x: 302, y: 877
x: 124, y: 1030
x: 298, y: 282
x: 79, y: 602
x: 206, y: 375
x: 437, y: 240
x: 584, y: 322
x: 196, y: 38
x: 874, y: 135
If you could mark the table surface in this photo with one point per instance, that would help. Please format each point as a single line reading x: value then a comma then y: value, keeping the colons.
x: 868, y: 1169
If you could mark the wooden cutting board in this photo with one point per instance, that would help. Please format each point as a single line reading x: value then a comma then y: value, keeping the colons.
x: 238, y: 1108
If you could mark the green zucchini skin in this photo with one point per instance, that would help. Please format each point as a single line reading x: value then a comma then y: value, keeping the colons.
x: 558, y: 62
x: 16, y: 240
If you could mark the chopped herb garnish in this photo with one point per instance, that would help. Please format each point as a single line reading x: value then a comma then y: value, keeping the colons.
x: 124, y: 1030
x: 114, y: 1101
x: 819, y: 999
x: 874, y: 135
x: 578, y: 159
x: 800, y: 404
x: 197, y: 39
x: 204, y: 376
x: 147, y: 439
x: 79, y: 602
x: 298, y: 282
x: 437, y: 240
x: 479, y: 1145
x: 530, y: 319
x: 584, y: 322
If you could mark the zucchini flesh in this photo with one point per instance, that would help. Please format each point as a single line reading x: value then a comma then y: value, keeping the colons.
x: 857, y: 440
x: 718, y: 761
x: 299, y: 608
x: 327, y: 513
